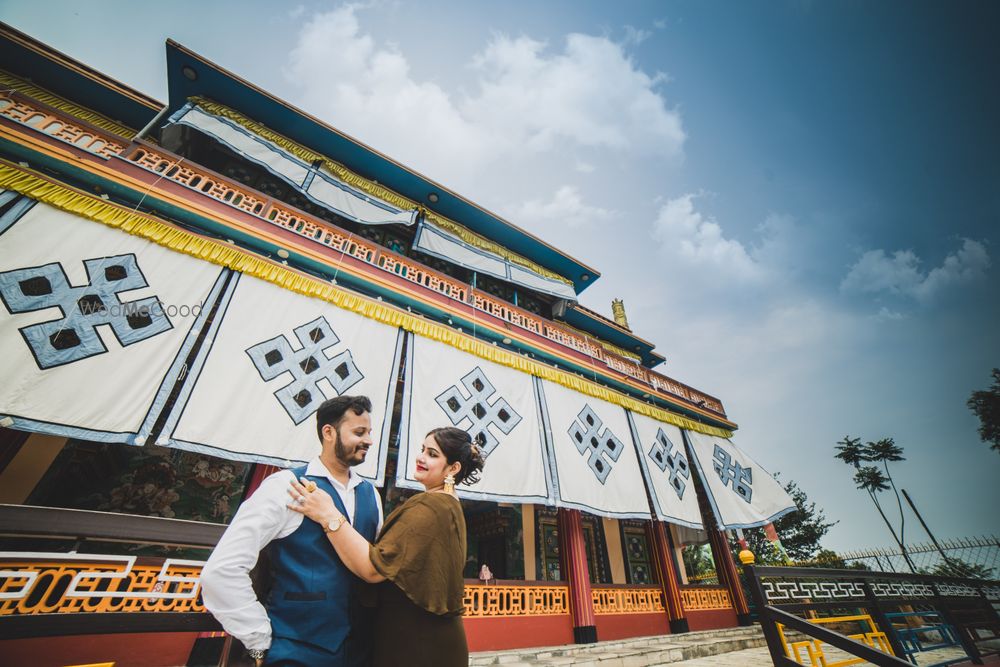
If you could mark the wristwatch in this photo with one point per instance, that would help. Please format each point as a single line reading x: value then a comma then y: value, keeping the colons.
x: 334, y: 526
x: 257, y: 653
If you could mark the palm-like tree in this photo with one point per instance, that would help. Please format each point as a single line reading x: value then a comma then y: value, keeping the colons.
x: 886, y: 450
x: 851, y: 451
x: 870, y: 478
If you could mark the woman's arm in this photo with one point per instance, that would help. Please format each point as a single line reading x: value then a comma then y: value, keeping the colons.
x: 349, y: 544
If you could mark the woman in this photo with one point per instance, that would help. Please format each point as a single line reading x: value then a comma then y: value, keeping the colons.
x: 417, y: 559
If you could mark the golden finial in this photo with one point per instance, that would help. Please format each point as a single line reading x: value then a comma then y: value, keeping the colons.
x: 618, y: 310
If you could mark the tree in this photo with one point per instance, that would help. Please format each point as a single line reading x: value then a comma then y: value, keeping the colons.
x: 871, y: 479
x: 800, y: 531
x: 886, y: 450
x: 985, y: 404
x: 956, y: 567
x: 851, y: 451
x: 698, y: 560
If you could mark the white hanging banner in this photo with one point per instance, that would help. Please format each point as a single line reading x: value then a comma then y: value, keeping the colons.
x: 494, y: 403
x: 271, y: 357
x: 742, y: 494
x: 320, y: 185
x: 665, y: 465
x: 597, y: 469
x: 92, y: 319
x: 439, y: 243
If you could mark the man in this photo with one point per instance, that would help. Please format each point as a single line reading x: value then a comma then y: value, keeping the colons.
x: 307, y: 617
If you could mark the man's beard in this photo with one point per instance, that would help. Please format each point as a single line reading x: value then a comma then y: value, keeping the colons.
x: 347, y: 456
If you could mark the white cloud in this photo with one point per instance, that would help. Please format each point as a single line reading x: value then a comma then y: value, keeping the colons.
x: 687, y: 235
x: 583, y: 167
x: 591, y: 94
x: 900, y: 273
x: 636, y: 36
x: 346, y: 78
x: 526, y: 98
x: 565, y: 208
x: 888, y: 315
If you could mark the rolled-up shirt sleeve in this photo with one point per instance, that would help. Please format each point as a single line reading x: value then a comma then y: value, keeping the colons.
x: 226, y: 588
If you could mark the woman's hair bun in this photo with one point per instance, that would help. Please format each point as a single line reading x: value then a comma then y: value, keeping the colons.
x: 457, y: 445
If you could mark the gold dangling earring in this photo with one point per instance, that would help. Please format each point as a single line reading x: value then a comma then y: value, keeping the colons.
x: 449, y: 483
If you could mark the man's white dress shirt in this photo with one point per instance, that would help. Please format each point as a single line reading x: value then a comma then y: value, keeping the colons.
x: 225, y: 579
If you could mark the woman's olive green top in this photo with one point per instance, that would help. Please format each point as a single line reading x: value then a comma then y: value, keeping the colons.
x: 421, y: 549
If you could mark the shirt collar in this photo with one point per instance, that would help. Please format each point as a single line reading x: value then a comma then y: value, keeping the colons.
x: 317, y: 469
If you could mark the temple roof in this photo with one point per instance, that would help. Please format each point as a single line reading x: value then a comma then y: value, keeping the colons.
x: 191, y: 75
x: 39, y: 63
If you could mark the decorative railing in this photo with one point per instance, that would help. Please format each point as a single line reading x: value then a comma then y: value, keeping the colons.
x: 78, y: 133
x: 703, y: 598
x: 965, y: 609
x: 56, y: 583
x: 53, y: 593
x: 502, y: 600
x: 73, y: 131
x: 814, y: 650
x: 627, y: 600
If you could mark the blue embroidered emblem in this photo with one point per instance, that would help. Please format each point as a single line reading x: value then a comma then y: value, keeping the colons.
x: 732, y: 473
x: 73, y: 336
x: 302, y: 396
x: 663, y: 455
x: 478, y: 411
x: 602, y: 448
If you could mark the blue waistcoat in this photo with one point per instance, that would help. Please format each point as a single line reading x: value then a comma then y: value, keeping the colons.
x: 312, y: 593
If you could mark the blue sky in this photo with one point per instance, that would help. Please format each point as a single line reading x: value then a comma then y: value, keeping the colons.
x: 798, y: 201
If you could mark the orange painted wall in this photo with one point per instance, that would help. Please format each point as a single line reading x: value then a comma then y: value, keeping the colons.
x: 497, y: 634
x: 161, y: 649
x: 623, y: 626
x: 711, y: 619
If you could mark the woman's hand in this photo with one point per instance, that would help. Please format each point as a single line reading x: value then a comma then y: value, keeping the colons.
x: 316, y: 504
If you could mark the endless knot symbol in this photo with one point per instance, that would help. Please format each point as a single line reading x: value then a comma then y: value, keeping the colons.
x: 74, y: 337
x: 302, y: 396
x: 587, y: 436
x: 731, y: 471
x: 660, y: 453
x: 477, y: 409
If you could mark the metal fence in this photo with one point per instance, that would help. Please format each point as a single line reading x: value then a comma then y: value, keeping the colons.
x: 977, y: 557
x: 886, y: 619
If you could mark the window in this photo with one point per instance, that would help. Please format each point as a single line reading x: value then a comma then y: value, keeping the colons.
x: 547, y: 544
x: 640, y: 568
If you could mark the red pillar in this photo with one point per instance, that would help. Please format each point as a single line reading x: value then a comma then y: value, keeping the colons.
x: 656, y: 531
x: 573, y: 560
x: 257, y: 475
x: 725, y: 567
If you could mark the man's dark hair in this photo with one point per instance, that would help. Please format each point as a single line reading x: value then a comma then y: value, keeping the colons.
x: 332, y: 411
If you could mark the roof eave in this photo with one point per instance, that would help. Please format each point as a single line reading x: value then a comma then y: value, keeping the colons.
x: 28, y: 58
x: 220, y: 85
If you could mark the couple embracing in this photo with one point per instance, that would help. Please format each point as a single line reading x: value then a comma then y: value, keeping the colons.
x: 347, y: 590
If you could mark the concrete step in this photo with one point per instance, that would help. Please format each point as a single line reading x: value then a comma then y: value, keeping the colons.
x: 637, y: 652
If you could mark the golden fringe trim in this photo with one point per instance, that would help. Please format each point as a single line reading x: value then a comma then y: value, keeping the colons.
x: 56, y: 102
x: 237, y: 259
x: 374, y: 189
